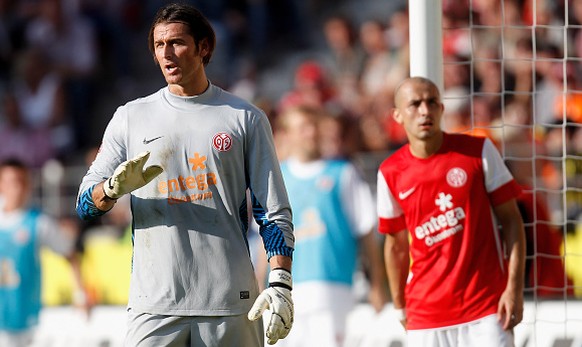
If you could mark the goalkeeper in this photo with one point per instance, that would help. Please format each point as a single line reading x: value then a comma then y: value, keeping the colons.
x: 188, y: 154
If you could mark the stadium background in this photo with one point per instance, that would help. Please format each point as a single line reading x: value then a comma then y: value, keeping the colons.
x: 98, y: 50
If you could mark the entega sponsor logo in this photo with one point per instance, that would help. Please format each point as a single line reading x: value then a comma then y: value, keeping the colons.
x: 199, y: 182
x: 444, y: 225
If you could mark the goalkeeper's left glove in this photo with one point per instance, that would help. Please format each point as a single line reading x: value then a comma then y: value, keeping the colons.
x: 277, y: 298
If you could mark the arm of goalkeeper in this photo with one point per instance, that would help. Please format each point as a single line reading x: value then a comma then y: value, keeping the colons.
x: 276, y: 298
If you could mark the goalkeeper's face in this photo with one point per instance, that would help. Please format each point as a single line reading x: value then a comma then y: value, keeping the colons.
x: 180, y: 58
x: 418, y: 109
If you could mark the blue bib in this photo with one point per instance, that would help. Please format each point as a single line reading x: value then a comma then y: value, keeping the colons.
x: 325, y: 248
x: 20, y: 277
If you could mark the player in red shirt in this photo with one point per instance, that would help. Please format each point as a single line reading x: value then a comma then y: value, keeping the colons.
x: 457, y: 276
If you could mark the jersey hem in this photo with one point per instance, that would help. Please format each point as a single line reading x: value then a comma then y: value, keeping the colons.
x: 449, y: 325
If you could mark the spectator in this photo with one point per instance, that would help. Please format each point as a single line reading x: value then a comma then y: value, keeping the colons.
x: 382, y: 68
x: 112, y: 22
x: 550, y: 83
x: 569, y: 105
x: 544, y: 269
x: 345, y: 60
x: 58, y: 33
x: 11, y: 28
x: 32, y: 146
x: 246, y: 86
x: 490, y: 81
x: 515, y: 138
x: 41, y: 98
x: 521, y: 68
x: 340, y: 137
x: 311, y: 87
x: 576, y: 21
x: 554, y: 138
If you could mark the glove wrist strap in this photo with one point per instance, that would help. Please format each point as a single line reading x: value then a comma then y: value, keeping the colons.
x: 280, y: 277
x: 105, y: 190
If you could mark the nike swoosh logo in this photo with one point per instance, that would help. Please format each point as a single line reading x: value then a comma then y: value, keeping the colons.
x: 404, y: 195
x: 146, y: 141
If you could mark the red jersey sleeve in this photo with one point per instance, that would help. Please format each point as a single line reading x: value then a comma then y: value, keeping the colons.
x: 506, y: 192
x: 390, y: 214
x: 391, y: 225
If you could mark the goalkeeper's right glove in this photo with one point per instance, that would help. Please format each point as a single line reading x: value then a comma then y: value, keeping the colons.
x: 130, y: 176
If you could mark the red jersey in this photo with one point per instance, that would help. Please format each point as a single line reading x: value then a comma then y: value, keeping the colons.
x: 458, y: 270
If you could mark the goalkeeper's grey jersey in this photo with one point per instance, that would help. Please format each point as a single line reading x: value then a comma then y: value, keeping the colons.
x: 190, y: 252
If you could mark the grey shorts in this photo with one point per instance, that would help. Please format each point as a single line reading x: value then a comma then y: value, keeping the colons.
x: 151, y: 330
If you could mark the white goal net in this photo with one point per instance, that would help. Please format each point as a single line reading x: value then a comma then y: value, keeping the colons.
x: 512, y: 71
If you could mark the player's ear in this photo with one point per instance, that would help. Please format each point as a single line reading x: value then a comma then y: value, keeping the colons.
x: 203, y: 48
x: 396, y: 115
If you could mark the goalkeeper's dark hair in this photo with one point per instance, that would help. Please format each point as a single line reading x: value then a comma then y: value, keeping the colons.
x: 197, y: 24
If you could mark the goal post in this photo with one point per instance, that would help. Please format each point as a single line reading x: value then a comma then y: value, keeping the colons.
x: 426, y: 40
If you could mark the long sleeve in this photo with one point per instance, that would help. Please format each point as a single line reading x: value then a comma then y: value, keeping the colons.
x: 271, y: 207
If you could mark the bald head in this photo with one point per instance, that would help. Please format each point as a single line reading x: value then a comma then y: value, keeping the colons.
x: 418, y: 108
x: 411, y: 83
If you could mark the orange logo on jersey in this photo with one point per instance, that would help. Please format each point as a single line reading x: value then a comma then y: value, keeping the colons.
x: 200, y: 182
x: 197, y: 162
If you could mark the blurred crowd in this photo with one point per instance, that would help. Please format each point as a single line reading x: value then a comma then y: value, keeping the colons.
x: 512, y: 72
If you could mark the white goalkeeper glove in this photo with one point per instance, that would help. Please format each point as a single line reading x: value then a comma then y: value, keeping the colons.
x: 130, y: 176
x: 277, y: 298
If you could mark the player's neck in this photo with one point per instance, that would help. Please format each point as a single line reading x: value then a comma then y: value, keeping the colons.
x: 305, y: 157
x: 193, y: 89
x: 424, y: 148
